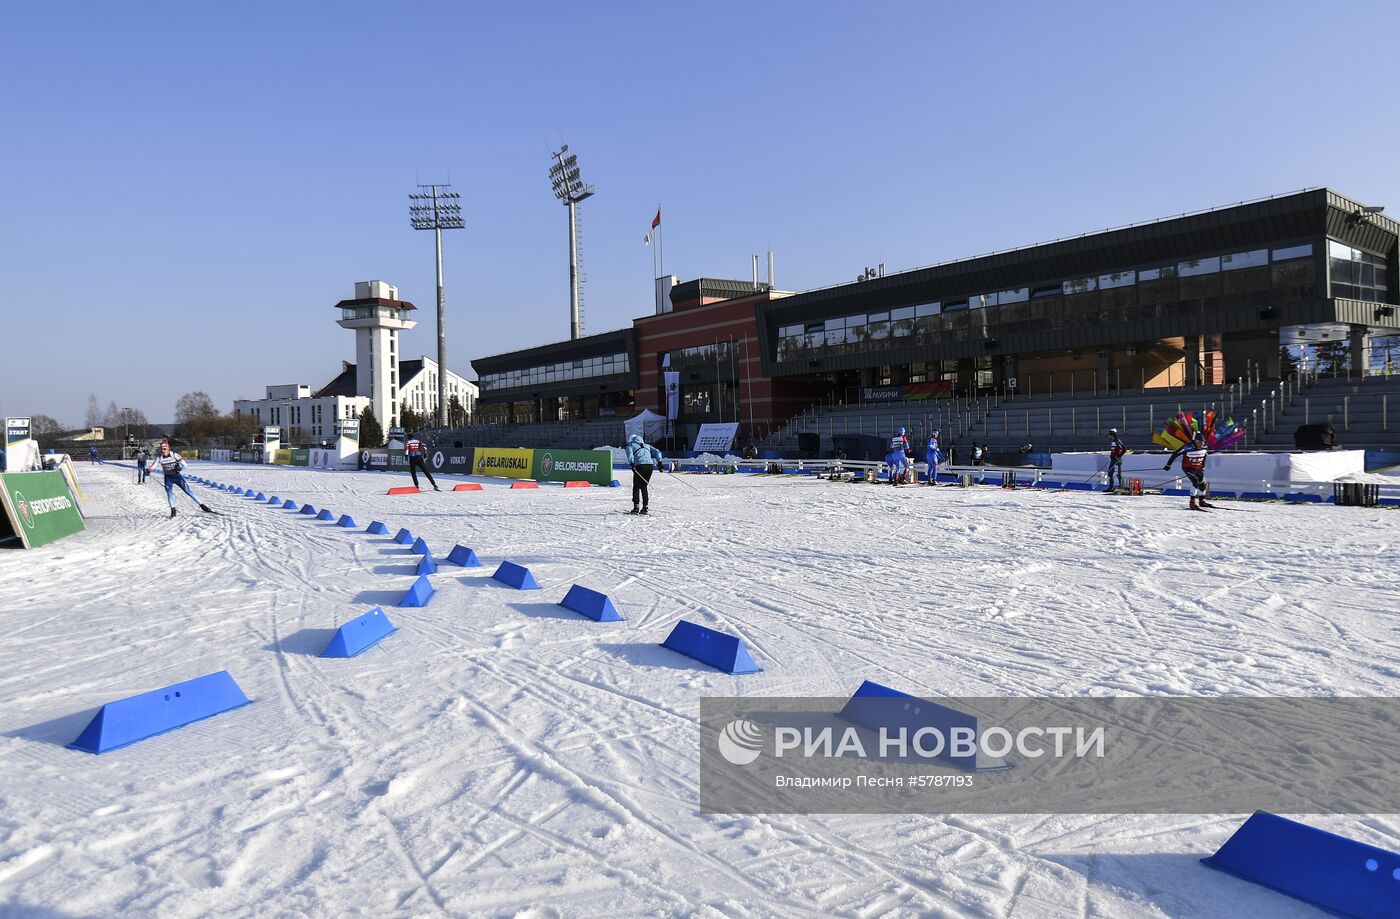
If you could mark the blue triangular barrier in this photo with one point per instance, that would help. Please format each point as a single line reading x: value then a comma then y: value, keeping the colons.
x: 419, y: 546
x: 1332, y: 872
x: 403, y: 537
x: 260, y: 496
x: 461, y: 555
x: 274, y: 501
x: 419, y: 593
x: 614, y: 484
x: 223, y: 487
x: 308, y: 509
x: 516, y: 576
x: 346, y: 521
x: 126, y: 721
x: 426, y: 565
x: 377, y: 528
x: 290, y: 505
x: 590, y: 603
x: 326, y: 514
x: 881, y: 708
x: 721, y: 651
x: 358, y: 634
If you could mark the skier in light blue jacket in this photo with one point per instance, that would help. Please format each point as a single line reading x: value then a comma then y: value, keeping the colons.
x: 644, y: 459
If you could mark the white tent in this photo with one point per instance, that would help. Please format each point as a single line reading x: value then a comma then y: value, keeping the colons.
x: 647, y: 423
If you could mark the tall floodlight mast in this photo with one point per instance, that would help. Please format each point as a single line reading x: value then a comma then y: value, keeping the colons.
x: 437, y: 209
x: 569, y: 189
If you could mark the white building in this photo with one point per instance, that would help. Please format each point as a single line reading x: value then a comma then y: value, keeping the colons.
x: 378, y: 378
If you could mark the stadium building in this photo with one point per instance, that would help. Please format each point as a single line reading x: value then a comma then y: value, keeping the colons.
x: 1251, y: 291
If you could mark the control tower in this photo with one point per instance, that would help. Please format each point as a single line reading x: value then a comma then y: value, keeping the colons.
x: 377, y: 315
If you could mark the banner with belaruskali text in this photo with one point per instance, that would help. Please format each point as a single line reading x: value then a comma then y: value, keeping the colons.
x: 510, y: 463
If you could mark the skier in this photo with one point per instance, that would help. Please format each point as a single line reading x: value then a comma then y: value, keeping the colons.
x: 1116, y: 452
x: 413, y: 449
x: 173, y: 467
x: 141, y: 456
x: 979, y: 454
x: 898, y: 457
x: 931, y: 456
x: 1193, y: 463
x: 644, y: 458
x: 92, y: 454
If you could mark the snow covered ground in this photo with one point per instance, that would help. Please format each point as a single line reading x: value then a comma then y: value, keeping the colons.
x: 501, y: 756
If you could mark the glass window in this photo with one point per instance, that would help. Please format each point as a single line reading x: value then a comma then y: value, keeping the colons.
x: 1238, y: 260
x: 954, y: 306
x: 1340, y: 250
x: 978, y: 302
x: 878, y: 317
x: 1080, y: 285
x: 906, y: 312
x: 1198, y: 266
x: 1039, y: 293
x: 1017, y: 295
x: 1303, y: 251
x: 928, y: 309
x: 1157, y: 274
x: 1117, y: 279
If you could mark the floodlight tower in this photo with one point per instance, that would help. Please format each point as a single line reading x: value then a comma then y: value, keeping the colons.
x: 569, y: 189
x: 437, y: 209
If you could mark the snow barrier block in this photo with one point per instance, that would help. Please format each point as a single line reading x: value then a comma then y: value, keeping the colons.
x: 126, y: 721
x: 1304, y: 496
x: 274, y: 501
x: 403, y: 537
x: 721, y: 651
x: 578, y: 484
x: 461, y: 555
x: 1337, y: 874
x: 403, y: 490
x: 419, y: 546
x: 290, y: 505
x: 876, y: 707
x: 260, y: 496
x: 468, y: 486
x: 359, y: 634
x: 614, y: 484
x: 326, y: 514
x: 346, y: 521
x: 419, y: 594
x: 524, y: 484
x: 377, y: 528
x: 516, y: 576
x: 426, y: 565
x: 308, y: 510
x: 590, y: 603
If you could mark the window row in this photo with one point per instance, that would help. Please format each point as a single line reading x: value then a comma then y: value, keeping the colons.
x: 580, y: 369
x: 1356, y: 273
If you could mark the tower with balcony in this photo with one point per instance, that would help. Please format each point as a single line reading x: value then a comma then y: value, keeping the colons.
x: 377, y: 315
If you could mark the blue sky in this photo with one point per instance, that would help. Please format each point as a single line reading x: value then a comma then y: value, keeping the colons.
x: 189, y: 188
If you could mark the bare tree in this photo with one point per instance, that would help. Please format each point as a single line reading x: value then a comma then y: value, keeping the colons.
x: 43, y: 425
x: 94, y: 414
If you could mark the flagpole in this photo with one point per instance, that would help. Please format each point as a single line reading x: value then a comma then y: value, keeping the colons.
x: 660, y: 246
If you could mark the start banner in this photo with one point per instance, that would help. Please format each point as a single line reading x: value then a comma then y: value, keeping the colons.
x: 574, y: 466
x: 38, y: 507
x: 510, y: 463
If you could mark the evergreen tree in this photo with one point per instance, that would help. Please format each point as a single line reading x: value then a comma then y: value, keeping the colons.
x: 371, y: 434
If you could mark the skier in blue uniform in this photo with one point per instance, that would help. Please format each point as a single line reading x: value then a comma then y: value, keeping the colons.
x: 932, y: 456
x: 173, y: 468
x: 644, y: 459
x: 898, y: 457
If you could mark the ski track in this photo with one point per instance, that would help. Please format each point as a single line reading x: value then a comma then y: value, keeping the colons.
x: 499, y: 756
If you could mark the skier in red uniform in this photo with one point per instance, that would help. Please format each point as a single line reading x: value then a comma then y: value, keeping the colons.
x: 1193, y: 463
x: 414, y: 450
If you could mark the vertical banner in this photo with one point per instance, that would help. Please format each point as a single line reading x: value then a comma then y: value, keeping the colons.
x: 673, y: 394
x: 350, y: 430
x: 21, y: 453
x: 272, y: 439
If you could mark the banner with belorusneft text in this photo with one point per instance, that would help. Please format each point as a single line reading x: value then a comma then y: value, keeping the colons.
x: 38, y: 507
x: 593, y: 466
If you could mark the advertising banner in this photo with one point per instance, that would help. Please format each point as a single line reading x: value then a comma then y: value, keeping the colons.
x: 508, y: 463
x: 350, y: 429
x: 38, y: 507
x: 715, y: 438
x: 456, y: 460
x: 879, y: 394
x: 574, y: 466
x: 301, y: 457
x: 374, y: 459
x: 918, y: 392
x: 282, y: 457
